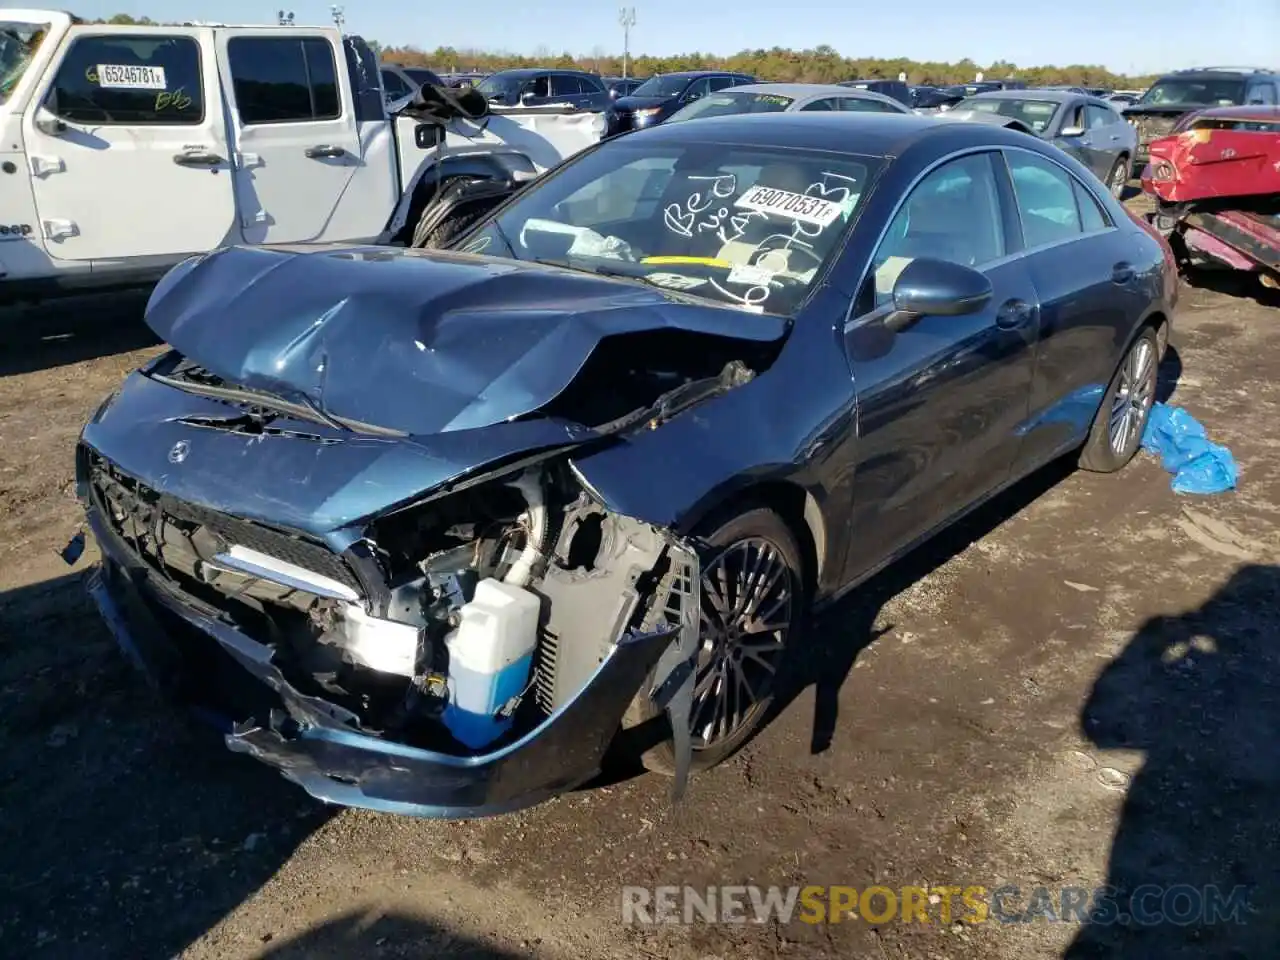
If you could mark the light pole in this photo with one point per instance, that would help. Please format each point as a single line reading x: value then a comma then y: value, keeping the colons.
x: 627, y: 19
x: 338, y: 18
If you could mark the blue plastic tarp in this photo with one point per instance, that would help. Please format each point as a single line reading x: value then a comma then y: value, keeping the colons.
x: 1197, y: 464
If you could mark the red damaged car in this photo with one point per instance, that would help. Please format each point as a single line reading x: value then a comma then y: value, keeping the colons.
x: 1216, y: 183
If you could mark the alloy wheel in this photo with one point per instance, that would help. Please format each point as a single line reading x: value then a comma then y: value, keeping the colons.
x: 1119, y: 179
x: 1133, y: 398
x: 748, y: 600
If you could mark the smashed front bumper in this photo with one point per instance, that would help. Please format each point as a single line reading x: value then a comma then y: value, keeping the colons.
x: 189, y: 651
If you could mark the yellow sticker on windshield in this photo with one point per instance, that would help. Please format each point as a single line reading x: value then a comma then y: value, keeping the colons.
x: 704, y: 261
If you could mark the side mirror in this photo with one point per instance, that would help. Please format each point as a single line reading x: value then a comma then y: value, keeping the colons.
x: 427, y: 136
x: 937, y: 288
x: 527, y: 96
x: 47, y: 123
x: 1072, y: 132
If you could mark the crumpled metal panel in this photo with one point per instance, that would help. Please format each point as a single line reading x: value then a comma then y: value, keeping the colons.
x: 416, y: 342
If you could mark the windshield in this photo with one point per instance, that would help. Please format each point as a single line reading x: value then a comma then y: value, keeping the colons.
x: 1185, y: 91
x: 1036, y: 114
x: 724, y: 104
x: 668, y: 86
x: 751, y: 227
x: 18, y: 44
x: 503, y: 85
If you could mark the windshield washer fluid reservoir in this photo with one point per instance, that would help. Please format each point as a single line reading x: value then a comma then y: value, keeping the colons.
x: 490, y: 658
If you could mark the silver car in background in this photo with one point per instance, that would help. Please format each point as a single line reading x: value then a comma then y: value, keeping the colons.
x: 785, y: 98
x: 1089, y: 128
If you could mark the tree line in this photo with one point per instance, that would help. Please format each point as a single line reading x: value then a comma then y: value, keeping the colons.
x: 821, y: 64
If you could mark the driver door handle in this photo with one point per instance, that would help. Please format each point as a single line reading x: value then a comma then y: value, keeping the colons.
x: 1013, y: 314
x: 325, y: 151
x: 197, y: 158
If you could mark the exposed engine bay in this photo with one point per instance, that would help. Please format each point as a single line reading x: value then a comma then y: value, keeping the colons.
x: 455, y: 623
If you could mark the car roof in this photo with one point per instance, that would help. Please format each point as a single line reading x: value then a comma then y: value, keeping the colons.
x: 1051, y: 96
x: 691, y: 74
x: 530, y: 71
x: 875, y: 134
x: 803, y: 90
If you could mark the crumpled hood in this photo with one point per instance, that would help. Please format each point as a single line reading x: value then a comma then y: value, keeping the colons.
x: 422, y: 343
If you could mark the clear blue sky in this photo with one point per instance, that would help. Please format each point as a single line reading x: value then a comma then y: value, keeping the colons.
x: 1123, y: 36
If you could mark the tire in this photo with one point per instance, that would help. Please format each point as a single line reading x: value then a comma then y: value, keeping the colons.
x: 1118, y: 178
x: 740, y: 537
x: 1130, y: 396
x: 442, y: 234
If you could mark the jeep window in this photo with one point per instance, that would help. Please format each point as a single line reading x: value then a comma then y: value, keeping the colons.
x: 18, y: 44
x: 503, y: 87
x: 279, y: 80
x: 129, y: 80
x: 1188, y: 91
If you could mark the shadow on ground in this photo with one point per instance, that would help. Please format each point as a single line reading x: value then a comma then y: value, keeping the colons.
x: 125, y: 831
x: 360, y: 937
x: 1234, y: 283
x: 58, y: 333
x: 1195, y: 864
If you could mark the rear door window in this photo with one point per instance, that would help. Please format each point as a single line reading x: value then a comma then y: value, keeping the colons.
x: 129, y: 81
x: 1097, y: 117
x: 280, y: 80
x: 824, y: 104
x: 1046, y: 199
x: 863, y: 105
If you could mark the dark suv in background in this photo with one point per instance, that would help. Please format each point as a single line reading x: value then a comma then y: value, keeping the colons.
x: 533, y: 87
x: 1183, y: 91
x: 664, y: 93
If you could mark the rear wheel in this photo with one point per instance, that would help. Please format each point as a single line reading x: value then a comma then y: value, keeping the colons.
x: 1122, y: 418
x: 752, y: 607
x: 1118, y: 179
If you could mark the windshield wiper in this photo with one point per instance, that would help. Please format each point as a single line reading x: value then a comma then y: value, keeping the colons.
x: 302, y: 400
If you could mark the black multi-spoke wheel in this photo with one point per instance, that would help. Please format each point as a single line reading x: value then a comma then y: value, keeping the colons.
x: 752, y: 606
x: 747, y: 599
x: 1126, y: 406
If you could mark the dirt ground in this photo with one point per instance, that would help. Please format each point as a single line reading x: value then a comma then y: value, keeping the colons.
x: 1079, y: 687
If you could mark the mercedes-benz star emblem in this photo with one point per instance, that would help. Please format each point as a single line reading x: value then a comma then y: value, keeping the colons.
x: 178, y: 452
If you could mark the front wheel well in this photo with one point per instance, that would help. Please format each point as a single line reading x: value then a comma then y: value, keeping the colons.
x: 797, y: 508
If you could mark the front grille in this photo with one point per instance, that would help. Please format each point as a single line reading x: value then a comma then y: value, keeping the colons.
x: 134, y: 511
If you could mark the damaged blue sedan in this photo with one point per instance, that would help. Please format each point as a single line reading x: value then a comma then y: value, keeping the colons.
x: 427, y: 530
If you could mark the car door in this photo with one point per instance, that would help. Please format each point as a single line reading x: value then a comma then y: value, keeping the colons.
x: 571, y: 89
x: 697, y: 90
x: 122, y: 125
x: 941, y: 402
x: 298, y: 150
x: 1106, y: 135
x: 536, y: 91
x: 1085, y: 281
x: 1069, y: 131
